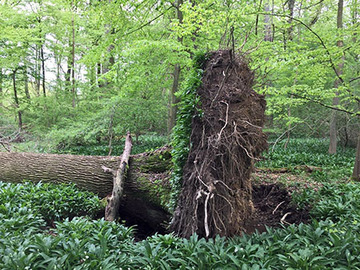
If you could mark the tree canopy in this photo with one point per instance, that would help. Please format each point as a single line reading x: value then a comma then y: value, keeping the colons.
x: 83, y: 71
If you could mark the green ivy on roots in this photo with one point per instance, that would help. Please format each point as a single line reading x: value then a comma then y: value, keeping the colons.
x: 188, y: 108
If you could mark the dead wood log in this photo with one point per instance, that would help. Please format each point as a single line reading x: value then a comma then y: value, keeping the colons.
x: 146, y: 189
x: 112, y: 208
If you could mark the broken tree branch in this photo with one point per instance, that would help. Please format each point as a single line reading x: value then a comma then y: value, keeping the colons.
x: 112, y: 208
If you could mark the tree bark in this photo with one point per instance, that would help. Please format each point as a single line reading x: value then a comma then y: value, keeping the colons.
x: 37, y: 70
x: 73, y: 61
x: 146, y: 189
x: 177, y: 69
x: 333, y: 129
x: 112, y: 208
x: 16, y: 99
x: 26, y: 82
x: 356, y: 170
x: 1, y: 80
x: 173, y: 98
x: 43, y: 69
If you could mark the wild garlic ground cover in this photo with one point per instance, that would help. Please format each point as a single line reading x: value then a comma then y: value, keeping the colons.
x: 43, y: 227
x: 331, y: 241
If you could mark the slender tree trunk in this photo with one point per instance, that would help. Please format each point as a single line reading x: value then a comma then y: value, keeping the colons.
x: 37, y: 70
x: 111, y: 131
x: 16, y: 99
x: 1, y: 85
x: 177, y: 69
x: 268, y: 26
x: 356, y: 170
x: 73, y: 90
x: 43, y: 69
x: 291, y: 4
x: 333, y: 128
x: 1, y: 80
x: 173, y: 98
x: 257, y: 18
x: 98, y: 73
x: 26, y: 82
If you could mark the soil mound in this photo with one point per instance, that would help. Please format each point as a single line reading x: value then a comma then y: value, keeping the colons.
x: 216, y: 193
x: 273, y: 208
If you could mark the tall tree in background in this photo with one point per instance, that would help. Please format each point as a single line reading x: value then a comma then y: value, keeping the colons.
x: 176, y: 74
x: 338, y: 82
x: 16, y: 99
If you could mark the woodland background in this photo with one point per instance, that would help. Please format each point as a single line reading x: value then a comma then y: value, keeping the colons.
x: 75, y: 76
x: 81, y: 73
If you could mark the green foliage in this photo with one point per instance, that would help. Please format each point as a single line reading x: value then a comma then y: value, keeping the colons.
x: 330, y: 241
x: 311, y: 152
x: 50, y: 202
x: 338, y: 202
x: 188, y: 108
x: 145, y: 143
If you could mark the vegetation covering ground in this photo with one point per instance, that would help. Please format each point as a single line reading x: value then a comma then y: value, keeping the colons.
x: 43, y: 227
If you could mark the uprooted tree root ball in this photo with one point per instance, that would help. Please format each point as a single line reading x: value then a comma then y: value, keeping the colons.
x: 227, y: 138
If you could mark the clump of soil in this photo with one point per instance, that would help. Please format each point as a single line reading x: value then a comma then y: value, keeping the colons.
x: 216, y: 194
x: 273, y: 208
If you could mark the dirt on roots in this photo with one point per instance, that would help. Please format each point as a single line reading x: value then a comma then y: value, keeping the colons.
x: 272, y: 208
x: 216, y: 193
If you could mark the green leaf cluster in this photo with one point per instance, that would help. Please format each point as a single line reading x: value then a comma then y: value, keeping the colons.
x: 188, y: 108
x: 48, y: 201
x: 311, y: 152
x: 330, y: 241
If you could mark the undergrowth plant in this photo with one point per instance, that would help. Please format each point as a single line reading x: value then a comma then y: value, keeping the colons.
x: 146, y: 142
x: 50, y: 202
x: 330, y: 241
x: 188, y: 108
x: 311, y: 152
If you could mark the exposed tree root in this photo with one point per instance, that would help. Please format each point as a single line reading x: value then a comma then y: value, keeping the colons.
x: 216, y: 192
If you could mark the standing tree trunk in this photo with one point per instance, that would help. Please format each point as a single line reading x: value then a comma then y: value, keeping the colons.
x: 177, y: 69
x: 356, y: 170
x: 43, y: 69
x: 333, y: 129
x: 1, y: 81
x: 268, y: 23
x: 37, y: 70
x: 1, y: 85
x: 16, y: 99
x: 73, y: 60
x: 173, y: 98
x: 26, y: 82
x: 289, y: 36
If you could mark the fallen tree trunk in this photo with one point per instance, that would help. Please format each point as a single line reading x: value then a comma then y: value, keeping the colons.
x: 112, y: 208
x: 146, y: 189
